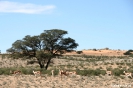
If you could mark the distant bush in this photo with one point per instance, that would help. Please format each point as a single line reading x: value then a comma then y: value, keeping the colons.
x: 106, y: 48
x: 79, y: 52
x: 94, y: 49
x: 128, y: 52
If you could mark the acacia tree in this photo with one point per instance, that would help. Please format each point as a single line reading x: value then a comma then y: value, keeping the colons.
x: 43, y: 47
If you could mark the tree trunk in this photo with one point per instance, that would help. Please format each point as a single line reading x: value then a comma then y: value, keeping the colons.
x: 41, y: 64
x: 46, y: 67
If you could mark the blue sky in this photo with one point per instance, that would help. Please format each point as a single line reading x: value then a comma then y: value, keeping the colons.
x: 92, y: 23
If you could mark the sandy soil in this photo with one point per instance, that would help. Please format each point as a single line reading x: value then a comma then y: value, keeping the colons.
x: 100, y: 52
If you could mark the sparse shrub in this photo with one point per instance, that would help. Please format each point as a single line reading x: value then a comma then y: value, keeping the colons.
x: 103, y: 72
x: 117, y: 71
x: 4, y: 71
x: 128, y: 64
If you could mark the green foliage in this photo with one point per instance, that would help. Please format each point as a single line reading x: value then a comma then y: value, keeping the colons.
x: 42, y: 54
x: 109, y: 68
x: 117, y: 71
x: 4, y: 71
x: 103, y: 72
x: 91, y: 72
x: 44, y: 47
x: 26, y: 71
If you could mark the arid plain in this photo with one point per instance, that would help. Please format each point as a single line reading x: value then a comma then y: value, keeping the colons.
x: 96, y: 63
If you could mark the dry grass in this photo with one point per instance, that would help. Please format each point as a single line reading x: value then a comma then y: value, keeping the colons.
x: 28, y: 81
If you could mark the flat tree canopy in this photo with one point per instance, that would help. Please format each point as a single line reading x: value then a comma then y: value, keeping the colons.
x: 43, y: 47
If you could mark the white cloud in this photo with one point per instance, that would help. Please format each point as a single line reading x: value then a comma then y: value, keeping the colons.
x: 15, y: 7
